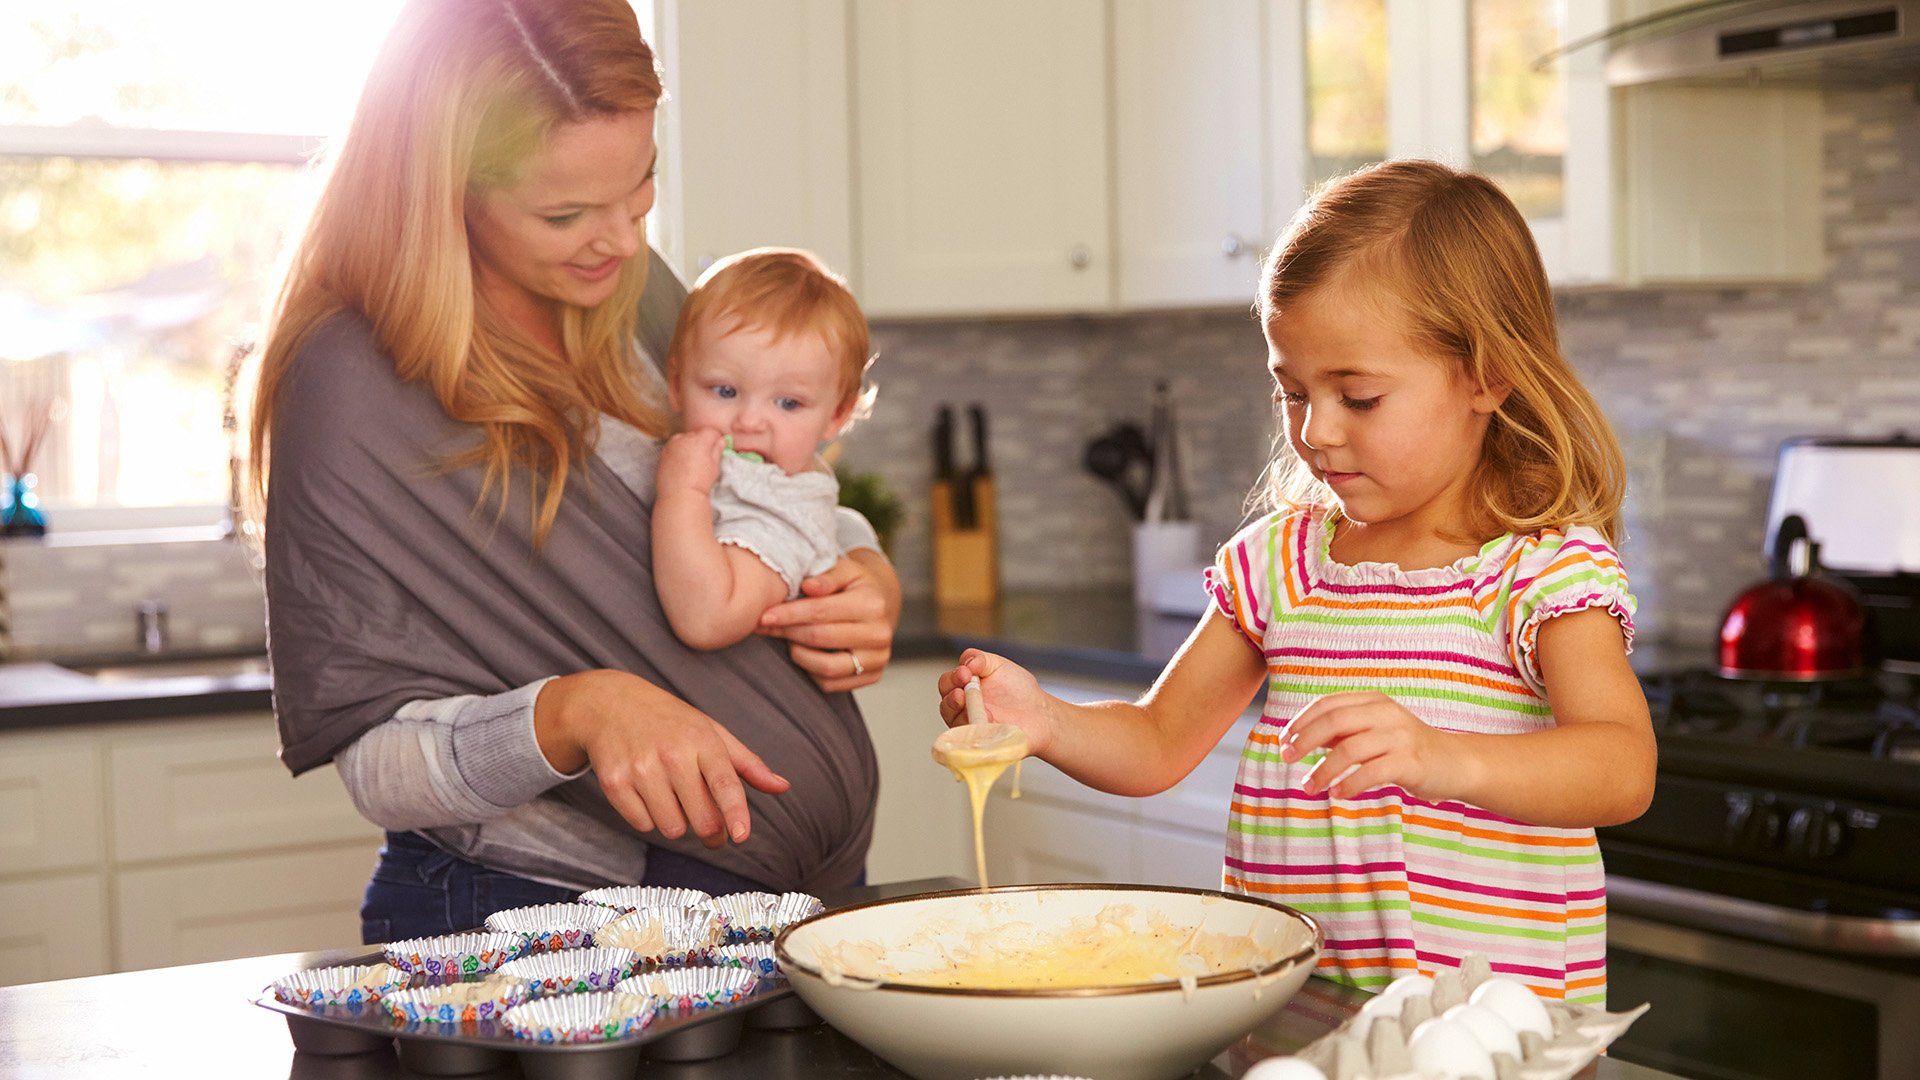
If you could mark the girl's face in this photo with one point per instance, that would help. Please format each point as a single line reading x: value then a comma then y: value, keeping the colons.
x: 560, y: 233
x: 780, y: 400
x: 1393, y: 430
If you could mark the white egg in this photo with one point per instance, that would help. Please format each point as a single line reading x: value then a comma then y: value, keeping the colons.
x: 1412, y: 984
x: 1489, y: 1027
x: 1515, y: 1004
x: 1283, y: 1068
x: 1448, y: 1049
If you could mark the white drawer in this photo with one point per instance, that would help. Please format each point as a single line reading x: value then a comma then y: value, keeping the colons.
x: 218, y: 909
x: 50, y: 799
x: 54, y: 928
x: 217, y: 787
x: 1033, y: 842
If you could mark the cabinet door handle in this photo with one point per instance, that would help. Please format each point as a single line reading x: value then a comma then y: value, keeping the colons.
x: 1235, y: 246
x: 1079, y: 257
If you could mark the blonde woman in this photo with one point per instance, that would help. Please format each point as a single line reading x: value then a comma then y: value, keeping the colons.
x: 455, y: 434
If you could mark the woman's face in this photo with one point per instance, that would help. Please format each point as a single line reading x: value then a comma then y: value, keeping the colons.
x: 560, y: 233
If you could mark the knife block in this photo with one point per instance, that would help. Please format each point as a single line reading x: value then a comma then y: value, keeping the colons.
x: 966, y: 562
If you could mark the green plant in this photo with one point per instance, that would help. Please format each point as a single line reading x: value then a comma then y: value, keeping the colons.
x: 869, y: 493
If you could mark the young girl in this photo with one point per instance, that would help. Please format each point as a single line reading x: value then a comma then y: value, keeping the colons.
x: 1434, y: 607
x: 765, y: 366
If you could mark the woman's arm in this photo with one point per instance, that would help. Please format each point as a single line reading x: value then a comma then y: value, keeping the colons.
x: 662, y: 763
x: 1126, y: 748
x: 1594, y: 767
x: 848, y: 613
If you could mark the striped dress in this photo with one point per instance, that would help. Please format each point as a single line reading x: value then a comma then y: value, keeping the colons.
x: 1401, y: 884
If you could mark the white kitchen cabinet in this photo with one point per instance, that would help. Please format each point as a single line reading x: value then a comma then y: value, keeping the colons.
x: 755, y: 137
x: 981, y: 157
x: 193, y: 830
x: 1031, y: 842
x: 922, y: 827
x: 54, y: 928
x: 1190, y: 170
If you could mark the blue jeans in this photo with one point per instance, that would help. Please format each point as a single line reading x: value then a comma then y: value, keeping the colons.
x: 419, y: 890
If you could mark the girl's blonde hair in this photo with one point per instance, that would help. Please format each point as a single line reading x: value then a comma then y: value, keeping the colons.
x: 462, y: 93
x: 1452, y: 254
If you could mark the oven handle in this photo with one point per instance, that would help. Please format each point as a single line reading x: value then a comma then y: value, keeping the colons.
x: 1727, y: 914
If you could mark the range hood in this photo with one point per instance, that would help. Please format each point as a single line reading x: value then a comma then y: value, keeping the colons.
x: 1842, y: 43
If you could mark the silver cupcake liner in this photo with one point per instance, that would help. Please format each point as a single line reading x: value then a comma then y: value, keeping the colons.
x: 552, y: 927
x: 636, y: 897
x: 578, y: 1018
x: 668, y: 937
x: 759, y: 916
x: 455, y: 1004
x: 691, y: 989
x: 574, y: 971
x: 453, y: 957
x: 754, y: 956
x: 349, y: 986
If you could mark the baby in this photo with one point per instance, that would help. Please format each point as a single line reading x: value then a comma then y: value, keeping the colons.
x: 765, y: 366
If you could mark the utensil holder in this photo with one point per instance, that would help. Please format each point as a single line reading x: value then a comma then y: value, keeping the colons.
x: 966, y: 561
x: 1162, y: 549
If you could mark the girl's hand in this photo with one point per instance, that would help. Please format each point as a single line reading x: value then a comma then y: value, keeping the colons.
x: 663, y: 764
x: 691, y: 461
x: 1371, y: 740
x: 841, y: 631
x: 1010, y: 692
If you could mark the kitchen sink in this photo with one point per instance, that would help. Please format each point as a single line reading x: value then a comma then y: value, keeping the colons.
x: 175, y: 667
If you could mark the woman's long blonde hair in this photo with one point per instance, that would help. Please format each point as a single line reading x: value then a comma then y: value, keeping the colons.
x: 1453, y: 255
x: 462, y: 93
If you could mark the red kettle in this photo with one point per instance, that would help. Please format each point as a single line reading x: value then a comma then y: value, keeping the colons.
x: 1796, y: 627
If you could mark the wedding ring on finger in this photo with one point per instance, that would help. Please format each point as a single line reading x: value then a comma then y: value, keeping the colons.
x: 859, y: 668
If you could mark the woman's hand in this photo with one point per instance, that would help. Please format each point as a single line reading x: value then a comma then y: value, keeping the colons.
x: 663, y: 764
x: 1372, y: 740
x: 841, y: 631
x: 1010, y: 693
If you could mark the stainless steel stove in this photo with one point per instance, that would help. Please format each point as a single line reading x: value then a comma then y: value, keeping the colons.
x: 1768, y: 902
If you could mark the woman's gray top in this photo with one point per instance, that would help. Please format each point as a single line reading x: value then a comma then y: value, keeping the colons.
x: 411, y: 629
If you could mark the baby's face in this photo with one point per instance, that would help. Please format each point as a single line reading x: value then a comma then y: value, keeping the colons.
x: 780, y: 400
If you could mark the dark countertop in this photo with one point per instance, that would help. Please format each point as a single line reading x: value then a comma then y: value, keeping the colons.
x: 41, y: 694
x: 200, y: 1021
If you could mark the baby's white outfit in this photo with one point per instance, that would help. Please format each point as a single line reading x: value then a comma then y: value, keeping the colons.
x: 788, y: 521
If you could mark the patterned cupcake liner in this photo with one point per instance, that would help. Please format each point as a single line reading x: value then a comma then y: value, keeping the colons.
x: 692, y: 989
x: 582, y: 1018
x: 553, y: 927
x: 760, y: 916
x: 575, y: 971
x: 754, y: 956
x: 626, y: 898
x: 453, y: 957
x: 663, y: 937
x: 349, y: 987
x: 457, y: 1004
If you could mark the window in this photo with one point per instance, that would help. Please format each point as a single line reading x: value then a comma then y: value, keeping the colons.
x: 1519, y: 121
x: 151, y: 156
x: 1346, y: 85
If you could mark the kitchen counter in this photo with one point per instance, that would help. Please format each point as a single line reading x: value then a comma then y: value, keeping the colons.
x: 199, y: 1021
x: 40, y: 694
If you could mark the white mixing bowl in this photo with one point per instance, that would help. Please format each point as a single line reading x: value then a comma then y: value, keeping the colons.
x: 1143, y: 1031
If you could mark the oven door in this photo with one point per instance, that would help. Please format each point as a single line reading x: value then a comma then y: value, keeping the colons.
x: 1728, y: 1007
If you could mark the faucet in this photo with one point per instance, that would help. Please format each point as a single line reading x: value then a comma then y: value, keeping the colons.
x: 150, y: 625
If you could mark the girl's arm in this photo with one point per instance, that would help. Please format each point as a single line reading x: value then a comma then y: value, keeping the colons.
x: 1594, y: 767
x: 713, y: 593
x: 1126, y: 748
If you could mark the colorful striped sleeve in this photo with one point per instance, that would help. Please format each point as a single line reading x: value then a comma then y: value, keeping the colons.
x: 1240, y: 581
x: 1558, y: 571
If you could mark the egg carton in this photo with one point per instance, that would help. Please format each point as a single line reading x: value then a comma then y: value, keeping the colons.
x: 1378, y: 1042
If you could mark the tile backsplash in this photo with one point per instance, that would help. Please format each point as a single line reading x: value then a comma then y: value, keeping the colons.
x: 1702, y: 384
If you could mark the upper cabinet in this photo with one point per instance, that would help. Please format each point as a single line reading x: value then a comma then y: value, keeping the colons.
x: 982, y: 156
x: 989, y: 157
x: 755, y: 142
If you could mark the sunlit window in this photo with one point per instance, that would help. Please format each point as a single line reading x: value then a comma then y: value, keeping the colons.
x: 151, y: 155
x: 1346, y: 85
x: 1519, y: 112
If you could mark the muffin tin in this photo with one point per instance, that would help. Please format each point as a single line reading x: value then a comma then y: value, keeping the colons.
x: 480, y: 1045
